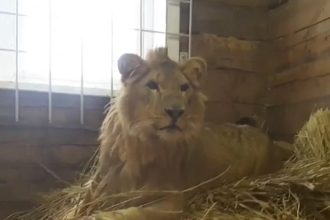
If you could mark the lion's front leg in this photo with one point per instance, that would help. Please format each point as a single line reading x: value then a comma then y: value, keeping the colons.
x: 135, y: 214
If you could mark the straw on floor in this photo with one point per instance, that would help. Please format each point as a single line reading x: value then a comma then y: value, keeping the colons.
x: 300, y: 191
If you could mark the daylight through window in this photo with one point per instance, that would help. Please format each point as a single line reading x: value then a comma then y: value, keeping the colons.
x: 69, y: 45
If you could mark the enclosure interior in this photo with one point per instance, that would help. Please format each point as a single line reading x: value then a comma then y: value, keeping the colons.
x: 268, y: 58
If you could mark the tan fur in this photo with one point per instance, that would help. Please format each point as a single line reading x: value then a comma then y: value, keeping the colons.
x: 136, y: 154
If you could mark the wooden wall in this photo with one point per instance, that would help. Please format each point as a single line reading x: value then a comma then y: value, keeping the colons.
x: 35, y: 156
x: 232, y: 37
x: 300, y: 32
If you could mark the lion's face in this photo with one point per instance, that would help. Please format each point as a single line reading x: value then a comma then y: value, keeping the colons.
x: 161, y: 98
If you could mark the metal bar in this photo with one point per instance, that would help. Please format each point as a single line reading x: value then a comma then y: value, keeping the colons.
x: 16, y: 74
x: 190, y: 27
x: 11, y: 13
x: 12, y: 50
x: 50, y: 89
x: 166, y: 22
x: 150, y: 7
x: 162, y: 32
x: 177, y: 2
x: 82, y: 82
x: 111, y: 54
x: 141, y: 28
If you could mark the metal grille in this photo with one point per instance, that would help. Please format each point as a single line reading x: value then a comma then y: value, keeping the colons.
x: 141, y: 30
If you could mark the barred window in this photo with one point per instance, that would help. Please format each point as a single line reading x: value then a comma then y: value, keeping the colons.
x: 50, y: 49
x: 72, y: 45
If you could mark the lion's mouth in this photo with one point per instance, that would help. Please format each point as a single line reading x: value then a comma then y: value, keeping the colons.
x: 171, y: 127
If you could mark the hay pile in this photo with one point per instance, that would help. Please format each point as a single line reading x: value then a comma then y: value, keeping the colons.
x: 300, y: 191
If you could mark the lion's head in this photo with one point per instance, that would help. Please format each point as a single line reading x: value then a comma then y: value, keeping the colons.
x: 161, y: 98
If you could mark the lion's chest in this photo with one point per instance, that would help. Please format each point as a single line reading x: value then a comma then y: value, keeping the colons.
x: 169, y: 176
x: 230, y: 152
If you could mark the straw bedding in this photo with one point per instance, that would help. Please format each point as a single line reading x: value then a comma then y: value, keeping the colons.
x: 300, y: 191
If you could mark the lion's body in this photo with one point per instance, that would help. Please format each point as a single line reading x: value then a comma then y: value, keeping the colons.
x: 139, y: 151
x: 238, y: 151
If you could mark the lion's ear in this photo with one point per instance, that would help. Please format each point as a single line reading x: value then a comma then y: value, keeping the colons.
x: 129, y: 65
x: 194, y: 69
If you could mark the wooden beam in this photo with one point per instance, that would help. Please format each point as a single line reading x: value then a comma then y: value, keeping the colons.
x: 303, y: 35
x: 234, y: 86
x: 40, y: 99
x: 288, y: 119
x: 35, y: 116
x: 52, y: 136
x: 310, y: 49
x: 8, y: 208
x: 216, y: 17
x: 248, y: 3
x: 221, y: 112
x: 300, y: 91
x: 315, y: 68
x: 297, y: 15
x: 230, y: 53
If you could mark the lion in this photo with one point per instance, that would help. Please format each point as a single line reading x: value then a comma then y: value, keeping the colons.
x: 154, y: 136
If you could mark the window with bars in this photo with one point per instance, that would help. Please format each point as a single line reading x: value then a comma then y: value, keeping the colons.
x: 72, y: 46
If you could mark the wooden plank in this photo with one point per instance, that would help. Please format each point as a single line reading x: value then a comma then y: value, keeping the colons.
x: 70, y: 117
x: 23, y: 153
x: 8, y: 208
x: 94, y: 118
x: 61, y: 117
x: 249, y: 3
x: 234, y: 86
x: 298, y: 14
x: 218, y: 18
x: 28, y: 191
x: 315, y: 68
x: 229, y: 52
x: 69, y: 155
x: 57, y: 156
x: 22, y: 172
x: 288, y: 119
x: 221, y: 112
x: 303, y: 35
x: 51, y: 136
x: 307, y: 51
x: 40, y: 99
x: 299, y: 91
x: 22, y: 183
x: 272, y: 60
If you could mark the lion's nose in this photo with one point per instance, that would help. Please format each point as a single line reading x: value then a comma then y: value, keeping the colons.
x: 174, y: 113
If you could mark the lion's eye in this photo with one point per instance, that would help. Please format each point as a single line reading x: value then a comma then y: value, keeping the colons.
x: 184, y: 87
x: 152, y: 85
